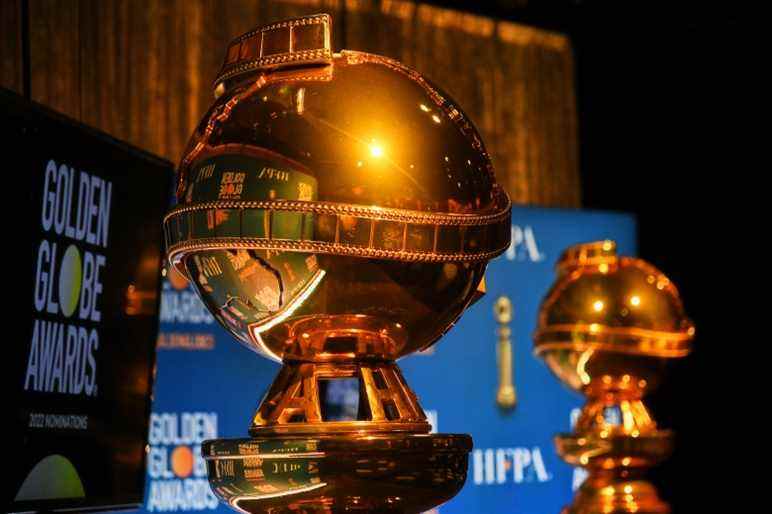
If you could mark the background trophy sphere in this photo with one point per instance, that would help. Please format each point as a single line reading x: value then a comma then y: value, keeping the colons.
x: 336, y: 211
x: 607, y: 328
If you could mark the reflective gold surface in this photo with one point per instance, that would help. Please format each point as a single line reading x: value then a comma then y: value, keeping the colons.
x: 607, y: 328
x: 391, y: 473
x: 336, y: 211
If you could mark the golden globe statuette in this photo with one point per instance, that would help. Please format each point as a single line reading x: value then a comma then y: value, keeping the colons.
x: 336, y: 212
x: 608, y: 328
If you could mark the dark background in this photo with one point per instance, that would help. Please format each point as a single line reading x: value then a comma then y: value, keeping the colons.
x: 663, y: 95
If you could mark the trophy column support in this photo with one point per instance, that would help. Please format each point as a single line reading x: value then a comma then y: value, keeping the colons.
x: 295, y: 404
x: 303, y: 456
x: 616, y: 440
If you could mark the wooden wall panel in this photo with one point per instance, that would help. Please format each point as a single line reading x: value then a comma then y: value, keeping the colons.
x: 10, y: 45
x: 142, y: 70
x: 55, y: 55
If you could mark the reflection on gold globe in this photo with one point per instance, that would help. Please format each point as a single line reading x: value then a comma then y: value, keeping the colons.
x: 607, y: 328
x: 336, y: 211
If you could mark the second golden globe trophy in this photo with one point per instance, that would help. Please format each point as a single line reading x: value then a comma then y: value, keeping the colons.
x: 608, y: 328
x: 336, y: 212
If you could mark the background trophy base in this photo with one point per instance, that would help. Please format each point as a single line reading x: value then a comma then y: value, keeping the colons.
x: 616, y: 465
x: 617, y: 496
x: 393, y: 473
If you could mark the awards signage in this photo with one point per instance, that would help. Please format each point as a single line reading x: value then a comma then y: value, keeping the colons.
x: 83, y: 361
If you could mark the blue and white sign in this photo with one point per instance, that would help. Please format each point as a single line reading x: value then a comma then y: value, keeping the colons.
x: 207, y: 386
x: 513, y: 467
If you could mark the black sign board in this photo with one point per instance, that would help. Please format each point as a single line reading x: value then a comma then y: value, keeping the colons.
x: 83, y: 324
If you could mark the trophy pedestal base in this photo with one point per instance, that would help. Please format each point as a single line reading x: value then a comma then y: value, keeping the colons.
x: 617, y: 496
x: 615, y: 465
x: 390, y: 473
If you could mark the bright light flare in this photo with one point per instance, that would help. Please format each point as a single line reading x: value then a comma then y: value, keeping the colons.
x: 376, y: 150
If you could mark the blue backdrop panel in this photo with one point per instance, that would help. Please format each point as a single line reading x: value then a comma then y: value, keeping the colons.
x: 208, y: 386
x: 513, y: 467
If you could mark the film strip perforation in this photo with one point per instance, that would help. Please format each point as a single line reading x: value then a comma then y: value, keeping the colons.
x: 248, y: 51
x: 340, y: 229
x: 359, y: 211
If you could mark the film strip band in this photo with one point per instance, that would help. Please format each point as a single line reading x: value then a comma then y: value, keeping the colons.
x: 299, y: 41
x: 339, y: 229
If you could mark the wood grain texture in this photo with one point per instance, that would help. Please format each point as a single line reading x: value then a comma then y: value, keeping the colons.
x: 55, y: 55
x: 10, y: 45
x: 142, y: 71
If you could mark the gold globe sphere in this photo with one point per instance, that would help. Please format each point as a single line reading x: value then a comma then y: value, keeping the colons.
x: 348, y: 209
x: 609, y: 315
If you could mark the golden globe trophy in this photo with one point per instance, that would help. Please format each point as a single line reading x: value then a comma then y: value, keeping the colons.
x: 607, y: 328
x: 336, y: 212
